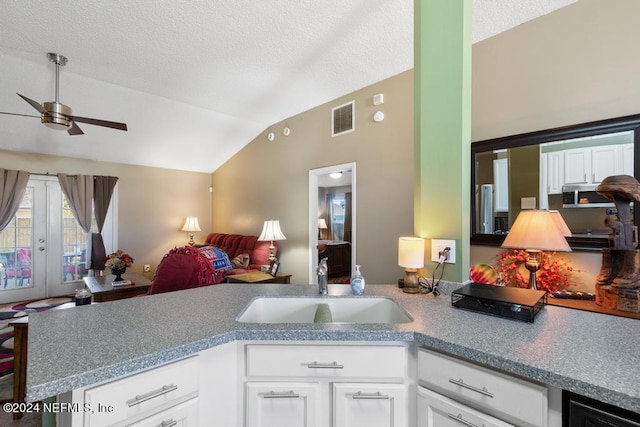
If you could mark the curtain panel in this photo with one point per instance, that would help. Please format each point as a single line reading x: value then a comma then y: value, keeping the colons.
x: 102, y: 191
x: 13, y: 184
x: 89, y: 194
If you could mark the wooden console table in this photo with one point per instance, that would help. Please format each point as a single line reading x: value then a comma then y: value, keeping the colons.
x: 259, y: 277
x: 103, y: 290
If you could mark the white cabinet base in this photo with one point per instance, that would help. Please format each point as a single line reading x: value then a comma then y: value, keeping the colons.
x: 282, y: 404
x: 369, y: 404
x: 435, y: 410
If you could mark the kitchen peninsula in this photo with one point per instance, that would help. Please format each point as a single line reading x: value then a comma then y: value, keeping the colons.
x: 591, y: 354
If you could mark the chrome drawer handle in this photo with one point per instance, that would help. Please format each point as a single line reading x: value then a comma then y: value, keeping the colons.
x: 169, y: 423
x: 151, y: 395
x: 459, y: 419
x: 332, y: 365
x: 376, y: 395
x: 482, y: 390
x: 280, y: 395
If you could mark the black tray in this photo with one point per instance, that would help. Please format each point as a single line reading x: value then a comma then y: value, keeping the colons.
x: 501, y: 301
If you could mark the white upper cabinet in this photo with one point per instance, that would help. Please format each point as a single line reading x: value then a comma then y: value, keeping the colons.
x: 593, y: 164
x: 577, y: 164
x: 501, y: 182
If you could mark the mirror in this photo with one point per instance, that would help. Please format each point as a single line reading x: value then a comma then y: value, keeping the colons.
x: 332, y: 220
x: 533, y: 170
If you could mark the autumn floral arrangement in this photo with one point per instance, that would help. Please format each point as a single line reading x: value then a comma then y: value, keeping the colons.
x: 118, y: 260
x: 553, y: 275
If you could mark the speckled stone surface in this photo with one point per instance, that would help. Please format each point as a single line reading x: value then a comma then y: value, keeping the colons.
x: 591, y: 354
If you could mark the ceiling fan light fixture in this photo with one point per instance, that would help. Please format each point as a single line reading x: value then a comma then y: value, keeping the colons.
x: 56, y: 116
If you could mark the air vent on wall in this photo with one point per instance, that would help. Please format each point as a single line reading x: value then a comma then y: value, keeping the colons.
x: 343, y: 119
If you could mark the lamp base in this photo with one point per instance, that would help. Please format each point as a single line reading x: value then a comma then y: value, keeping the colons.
x: 272, y: 255
x: 533, y: 265
x: 191, y: 241
x: 411, y: 281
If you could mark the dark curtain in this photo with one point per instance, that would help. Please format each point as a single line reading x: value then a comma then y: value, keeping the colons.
x: 13, y: 184
x: 347, y: 217
x: 102, y: 191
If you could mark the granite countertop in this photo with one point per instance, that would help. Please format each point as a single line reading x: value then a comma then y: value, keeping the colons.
x: 592, y: 354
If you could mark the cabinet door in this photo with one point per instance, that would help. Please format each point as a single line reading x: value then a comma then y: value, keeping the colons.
x: 501, y: 182
x: 627, y: 159
x: 577, y: 164
x: 435, y: 410
x: 286, y: 404
x: 605, y: 161
x: 555, y: 172
x: 371, y: 405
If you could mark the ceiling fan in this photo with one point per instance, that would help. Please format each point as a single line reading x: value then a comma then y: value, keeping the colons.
x: 59, y: 116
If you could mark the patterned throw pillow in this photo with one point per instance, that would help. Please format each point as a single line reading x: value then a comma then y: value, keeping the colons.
x: 241, y: 261
x: 219, y: 258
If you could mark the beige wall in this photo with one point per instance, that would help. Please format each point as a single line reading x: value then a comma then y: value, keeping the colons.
x: 569, y: 67
x: 152, y: 205
x: 270, y: 180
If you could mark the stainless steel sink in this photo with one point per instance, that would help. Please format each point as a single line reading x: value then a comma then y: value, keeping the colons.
x: 343, y: 310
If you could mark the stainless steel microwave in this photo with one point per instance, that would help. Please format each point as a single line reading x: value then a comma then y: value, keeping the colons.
x: 583, y: 196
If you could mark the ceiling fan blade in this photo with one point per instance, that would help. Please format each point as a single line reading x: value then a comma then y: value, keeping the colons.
x: 97, y: 122
x: 22, y: 115
x: 75, y: 130
x: 33, y: 103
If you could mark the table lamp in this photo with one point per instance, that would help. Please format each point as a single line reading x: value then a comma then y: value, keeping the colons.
x: 322, y: 225
x: 535, y: 231
x: 191, y: 225
x: 411, y: 257
x: 270, y: 232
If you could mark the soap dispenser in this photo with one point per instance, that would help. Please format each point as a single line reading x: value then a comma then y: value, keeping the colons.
x: 357, y: 282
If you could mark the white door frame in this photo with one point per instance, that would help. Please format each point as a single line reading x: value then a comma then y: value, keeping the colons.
x: 313, y: 215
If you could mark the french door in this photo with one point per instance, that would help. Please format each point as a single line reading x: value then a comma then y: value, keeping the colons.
x: 43, y: 249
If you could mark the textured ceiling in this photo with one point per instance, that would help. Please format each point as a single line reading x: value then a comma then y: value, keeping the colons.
x: 197, y: 80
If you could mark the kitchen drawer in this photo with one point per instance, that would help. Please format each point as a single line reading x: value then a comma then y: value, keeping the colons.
x: 509, y: 398
x: 184, y: 414
x: 142, y: 393
x: 435, y: 410
x: 326, y: 361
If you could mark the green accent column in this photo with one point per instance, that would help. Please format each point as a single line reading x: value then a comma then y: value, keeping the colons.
x: 442, y: 108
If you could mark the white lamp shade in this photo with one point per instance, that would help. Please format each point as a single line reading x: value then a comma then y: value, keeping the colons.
x: 322, y: 223
x: 536, y: 230
x: 411, y: 252
x: 271, y: 231
x: 564, y: 228
x: 191, y: 224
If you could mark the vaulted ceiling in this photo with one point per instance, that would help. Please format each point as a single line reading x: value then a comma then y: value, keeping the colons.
x: 197, y: 80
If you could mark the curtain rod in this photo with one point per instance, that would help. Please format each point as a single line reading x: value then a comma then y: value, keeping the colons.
x: 55, y: 175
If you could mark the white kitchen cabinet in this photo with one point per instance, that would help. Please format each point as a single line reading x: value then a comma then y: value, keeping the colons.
x: 494, y: 393
x: 282, y: 404
x: 342, y: 385
x: 555, y: 172
x: 182, y: 415
x: 593, y: 164
x: 501, y: 184
x: 159, y: 393
x: 435, y: 410
x: 605, y: 161
x: 627, y: 159
x: 369, y: 404
x: 577, y: 162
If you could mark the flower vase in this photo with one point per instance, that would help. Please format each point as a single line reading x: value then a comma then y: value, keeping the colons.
x: 118, y: 272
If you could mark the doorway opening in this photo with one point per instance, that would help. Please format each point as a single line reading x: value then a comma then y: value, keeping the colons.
x: 332, y: 219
